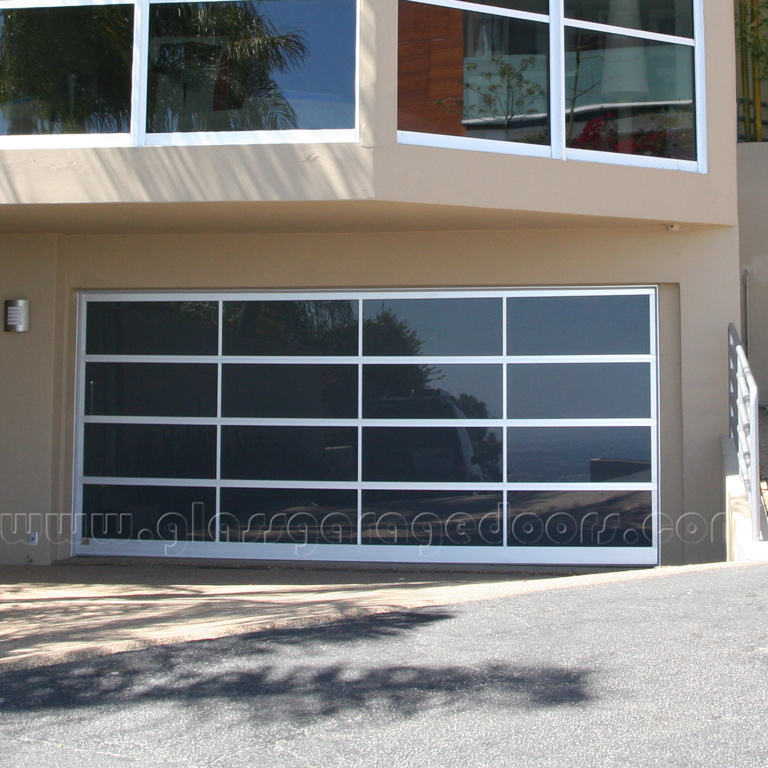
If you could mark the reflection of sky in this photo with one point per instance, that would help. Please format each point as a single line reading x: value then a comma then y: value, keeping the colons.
x: 328, y: 74
x: 447, y: 326
x: 579, y: 390
x: 578, y: 325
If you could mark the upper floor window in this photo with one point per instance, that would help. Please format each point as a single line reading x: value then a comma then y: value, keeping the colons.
x: 110, y: 73
x: 604, y: 80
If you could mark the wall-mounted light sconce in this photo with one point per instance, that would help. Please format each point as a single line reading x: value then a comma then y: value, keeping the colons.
x: 16, y: 315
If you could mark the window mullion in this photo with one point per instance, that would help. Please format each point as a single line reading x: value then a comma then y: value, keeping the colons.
x: 140, y: 73
x: 557, y: 79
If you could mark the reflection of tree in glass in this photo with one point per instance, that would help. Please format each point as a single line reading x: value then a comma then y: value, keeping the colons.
x: 505, y: 91
x: 504, y: 94
x: 66, y: 70
x: 487, y: 448
x: 386, y: 335
x: 584, y: 42
x: 318, y: 324
x: 229, y: 49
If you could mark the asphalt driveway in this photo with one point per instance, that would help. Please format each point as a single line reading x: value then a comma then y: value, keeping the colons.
x: 666, y: 669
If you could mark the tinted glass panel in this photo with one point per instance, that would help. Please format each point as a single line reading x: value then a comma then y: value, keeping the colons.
x: 579, y: 518
x: 290, y: 328
x: 247, y: 66
x: 288, y: 516
x: 432, y: 327
x: 578, y: 325
x: 289, y: 453
x: 152, y: 328
x: 668, y: 17
x: 579, y: 454
x: 290, y: 391
x: 432, y: 391
x: 150, y: 450
x: 149, y: 513
x: 629, y: 96
x: 431, y: 454
x: 66, y: 70
x: 150, y: 389
x: 579, y: 391
x: 431, y: 518
x: 472, y: 74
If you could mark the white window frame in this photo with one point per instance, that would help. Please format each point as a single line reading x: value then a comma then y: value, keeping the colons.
x: 557, y: 97
x: 494, y: 554
x: 137, y: 135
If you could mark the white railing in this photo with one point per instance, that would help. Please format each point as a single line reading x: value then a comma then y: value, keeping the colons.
x: 744, y: 429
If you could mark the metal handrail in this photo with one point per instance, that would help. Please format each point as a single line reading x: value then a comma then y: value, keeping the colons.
x: 744, y: 425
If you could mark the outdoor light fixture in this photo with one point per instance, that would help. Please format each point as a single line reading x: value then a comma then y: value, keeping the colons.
x: 16, y: 315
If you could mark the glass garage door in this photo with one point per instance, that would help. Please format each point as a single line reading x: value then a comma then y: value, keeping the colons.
x: 448, y: 427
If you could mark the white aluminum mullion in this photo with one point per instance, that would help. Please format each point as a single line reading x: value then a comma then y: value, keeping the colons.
x: 212, y: 421
x: 699, y: 85
x: 363, y: 294
x: 79, y: 437
x: 219, y: 373
x: 140, y: 72
x: 287, y: 136
x: 557, y: 105
x: 8, y: 5
x: 467, y: 144
x: 504, y: 429
x: 360, y: 361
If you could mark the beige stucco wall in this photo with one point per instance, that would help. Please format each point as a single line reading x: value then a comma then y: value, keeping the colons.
x: 370, y: 214
x: 43, y: 182
x: 753, y: 247
x: 29, y: 370
x: 689, y: 265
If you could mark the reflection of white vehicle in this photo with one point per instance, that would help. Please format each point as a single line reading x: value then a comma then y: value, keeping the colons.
x: 420, y: 453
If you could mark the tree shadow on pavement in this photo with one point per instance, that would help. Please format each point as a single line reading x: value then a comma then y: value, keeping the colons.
x: 266, y: 677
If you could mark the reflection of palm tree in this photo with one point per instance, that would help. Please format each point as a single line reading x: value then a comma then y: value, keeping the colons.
x: 229, y: 52
x: 66, y: 69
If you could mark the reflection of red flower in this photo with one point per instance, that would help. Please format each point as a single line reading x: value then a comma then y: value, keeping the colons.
x: 598, y: 133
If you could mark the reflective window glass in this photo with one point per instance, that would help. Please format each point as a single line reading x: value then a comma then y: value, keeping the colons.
x: 406, y: 327
x: 462, y: 73
x: 530, y: 6
x: 288, y: 516
x: 288, y: 453
x: 66, y: 70
x: 149, y: 513
x: 432, y: 391
x: 579, y: 391
x: 668, y: 17
x: 432, y: 518
x: 432, y: 454
x: 272, y: 328
x: 251, y: 66
x: 579, y: 519
x: 152, y: 328
x: 289, y: 391
x: 150, y: 450
x: 579, y: 454
x: 150, y: 389
x: 628, y: 95
x: 578, y: 325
